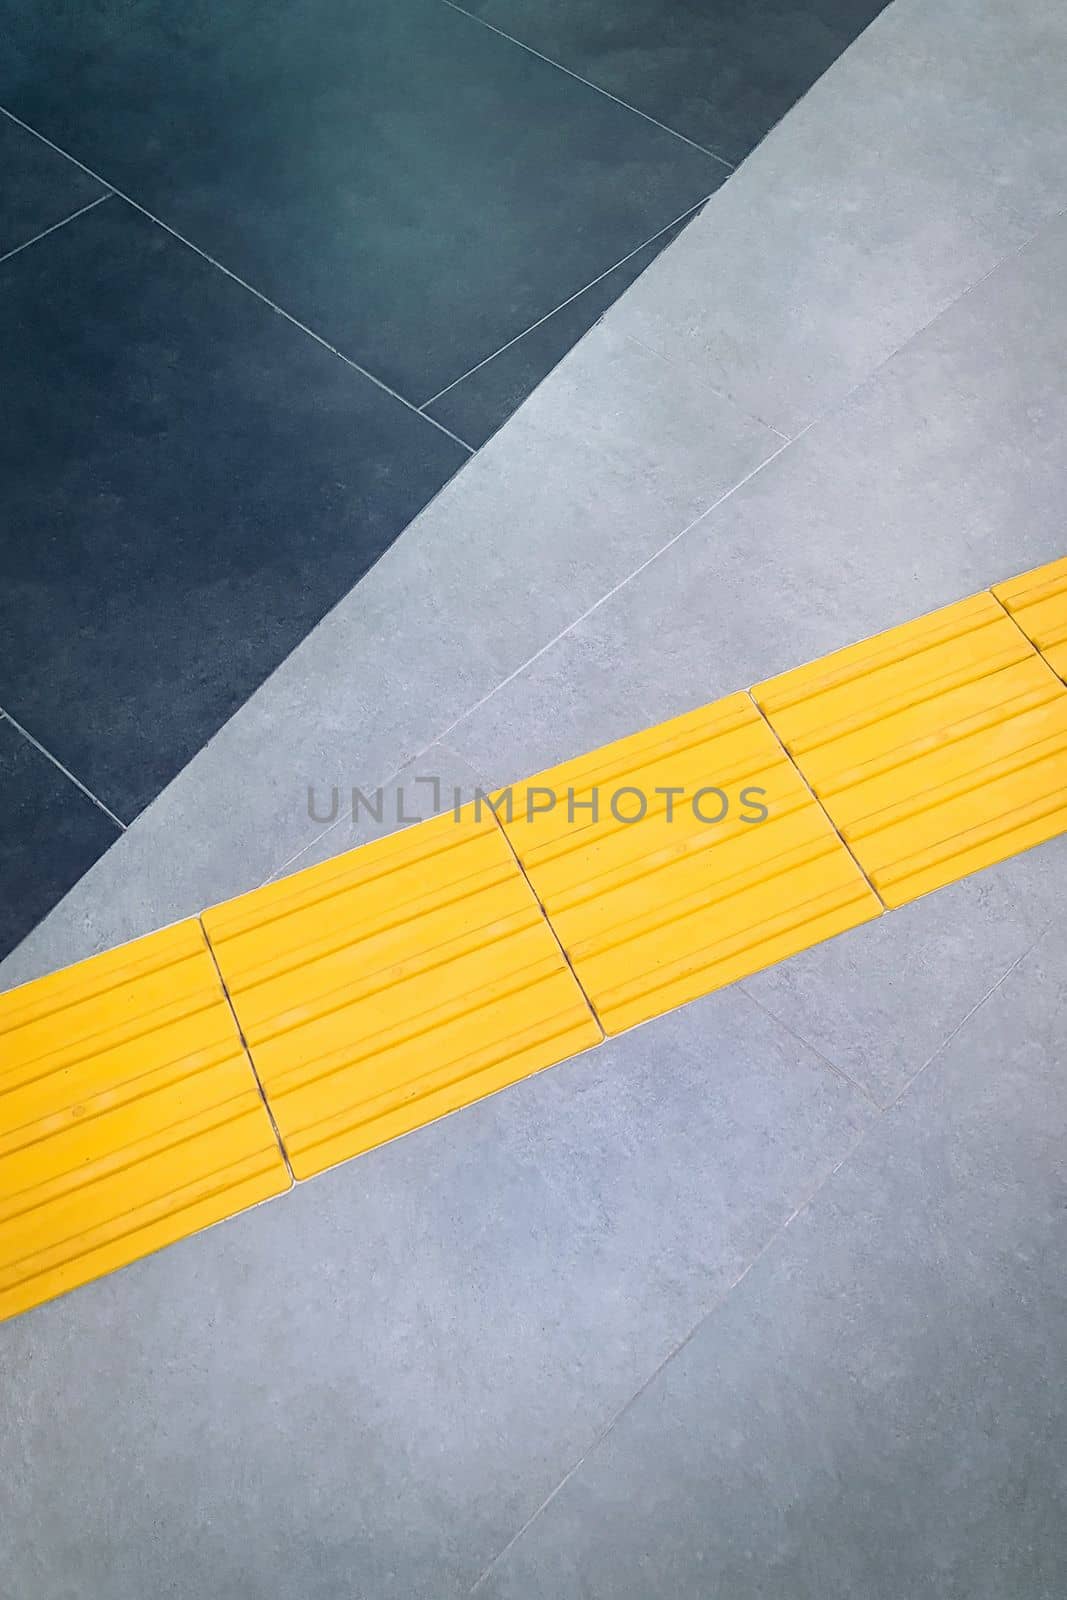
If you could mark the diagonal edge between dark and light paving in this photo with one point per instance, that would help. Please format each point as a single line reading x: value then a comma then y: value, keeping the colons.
x: 630, y: 441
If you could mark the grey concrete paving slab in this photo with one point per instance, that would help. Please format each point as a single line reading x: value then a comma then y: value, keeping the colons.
x: 933, y: 147
x: 941, y: 475
x: 878, y: 1408
x: 607, y: 460
x: 368, y: 1386
x: 881, y: 1001
x: 345, y: 818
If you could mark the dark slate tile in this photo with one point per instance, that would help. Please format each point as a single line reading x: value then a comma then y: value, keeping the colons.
x: 717, y: 72
x: 480, y: 403
x: 38, y: 187
x: 412, y: 186
x: 50, y: 833
x: 187, y: 483
x: 877, y: 1410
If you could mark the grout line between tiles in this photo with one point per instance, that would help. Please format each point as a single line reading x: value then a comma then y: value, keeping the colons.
x: 833, y: 1067
x: 589, y: 84
x: 689, y: 212
x: 726, y: 399
x: 836, y: 405
x: 609, y: 594
x: 246, y: 1048
x: 87, y: 792
x: 379, y: 383
x: 947, y: 1040
x: 719, y: 1301
x: 800, y: 774
x: 62, y: 223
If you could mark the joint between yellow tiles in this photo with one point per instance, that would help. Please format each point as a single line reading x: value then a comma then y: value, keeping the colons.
x: 800, y: 774
x: 246, y: 1047
x: 1015, y: 622
x: 549, y: 924
x: 1021, y: 631
x: 1043, y: 591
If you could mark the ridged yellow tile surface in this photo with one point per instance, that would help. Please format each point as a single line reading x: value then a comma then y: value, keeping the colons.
x: 937, y: 748
x: 394, y: 984
x: 1038, y: 603
x: 129, y: 1115
x: 658, y: 911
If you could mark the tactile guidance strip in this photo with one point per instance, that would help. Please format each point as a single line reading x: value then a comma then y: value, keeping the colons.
x: 937, y: 748
x: 396, y: 983
x: 1038, y: 603
x: 419, y: 973
x: 129, y: 1115
x: 656, y: 911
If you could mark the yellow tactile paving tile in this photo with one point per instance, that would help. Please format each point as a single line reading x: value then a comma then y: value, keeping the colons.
x: 1038, y: 603
x: 938, y: 748
x: 129, y: 1115
x: 658, y: 911
x: 394, y: 984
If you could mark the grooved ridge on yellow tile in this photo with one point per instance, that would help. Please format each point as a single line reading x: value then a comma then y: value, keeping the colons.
x: 1038, y: 603
x: 658, y: 911
x: 938, y: 747
x: 129, y: 1115
x: 396, y: 983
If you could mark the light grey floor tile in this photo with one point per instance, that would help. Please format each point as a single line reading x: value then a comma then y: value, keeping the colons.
x: 878, y: 1409
x: 347, y: 816
x: 365, y: 1387
x: 610, y: 458
x: 930, y: 150
x: 881, y: 1000
x: 944, y: 474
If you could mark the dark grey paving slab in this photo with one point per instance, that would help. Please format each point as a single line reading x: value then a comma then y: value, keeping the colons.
x: 187, y: 483
x: 413, y: 187
x: 719, y: 73
x: 38, y: 188
x: 483, y: 400
x: 366, y: 1387
x: 887, y: 192
x: 50, y: 833
x: 878, y: 1409
x: 482, y: 579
